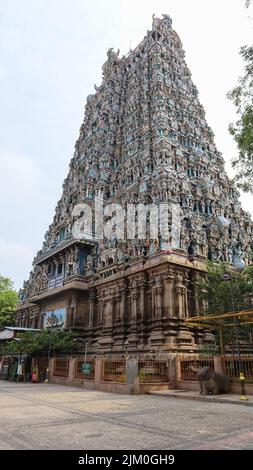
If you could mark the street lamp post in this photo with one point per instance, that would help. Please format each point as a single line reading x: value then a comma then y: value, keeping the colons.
x: 86, y: 368
x: 86, y: 342
x: 228, y: 277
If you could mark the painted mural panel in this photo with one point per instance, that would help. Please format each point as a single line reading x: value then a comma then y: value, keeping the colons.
x: 55, y: 318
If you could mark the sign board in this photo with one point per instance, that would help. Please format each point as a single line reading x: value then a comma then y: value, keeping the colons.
x: 86, y: 368
x: 56, y: 281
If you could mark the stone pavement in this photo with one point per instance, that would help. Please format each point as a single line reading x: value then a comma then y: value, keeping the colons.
x: 39, y: 416
x: 231, y: 398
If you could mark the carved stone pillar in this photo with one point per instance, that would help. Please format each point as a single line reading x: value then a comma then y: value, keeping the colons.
x: 92, y: 308
x: 153, y: 302
x: 134, y: 296
x: 117, y: 312
x: 41, y: 318
x: 142, y: 288
x: 168, y: 294
x: 101, y: 308
x: 180, y: 291
x: 186, y: 306
x: 69, y: 311
x: 56, y: 262
x: 74, y: 304
x: 62, y: 262
x: 113, y: 304
x: 122, y: 309
x: 158, y: 300
x: 184, y: 336
x: 132, y: 324
x: 108, y: 312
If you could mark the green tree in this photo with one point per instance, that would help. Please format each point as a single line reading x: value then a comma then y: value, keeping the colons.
x: 242, y: 129
x: 41, y: 342
x: 8, y: 302
x: 216, y: 294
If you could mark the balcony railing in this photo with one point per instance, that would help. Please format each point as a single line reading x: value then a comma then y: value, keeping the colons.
x: 60, y: 246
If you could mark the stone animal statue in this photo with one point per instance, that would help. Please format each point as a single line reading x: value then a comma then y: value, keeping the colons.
x: 212, y: 382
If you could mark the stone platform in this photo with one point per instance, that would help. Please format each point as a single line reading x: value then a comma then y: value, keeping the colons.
x: 232, y: 398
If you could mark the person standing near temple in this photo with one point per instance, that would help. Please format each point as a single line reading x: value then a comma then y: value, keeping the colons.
x: 35, y: 373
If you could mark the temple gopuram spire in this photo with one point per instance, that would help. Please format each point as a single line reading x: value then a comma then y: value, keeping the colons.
x: 144, y: 141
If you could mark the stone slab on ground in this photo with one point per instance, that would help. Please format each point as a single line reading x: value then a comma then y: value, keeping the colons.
x: 232, y: 399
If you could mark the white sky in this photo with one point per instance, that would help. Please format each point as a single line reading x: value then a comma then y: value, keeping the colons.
x: 51, y: 53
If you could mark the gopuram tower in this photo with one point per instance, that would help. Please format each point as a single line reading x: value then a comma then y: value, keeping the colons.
x: 144, y: 142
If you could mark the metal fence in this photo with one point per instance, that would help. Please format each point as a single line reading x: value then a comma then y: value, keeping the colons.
x: 114, y: 369
x: 153, y: 369
x: 232, y: 369
x: 61, y: 367
x: 85, y: 369
x: 189, y: 368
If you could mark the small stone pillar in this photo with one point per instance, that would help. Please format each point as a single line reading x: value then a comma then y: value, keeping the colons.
x: 72, y: 370
x: 219, y: 364
x: 178, y: 371
x: 132, y: 379
x: 173, y: 372
x: 98, y: 371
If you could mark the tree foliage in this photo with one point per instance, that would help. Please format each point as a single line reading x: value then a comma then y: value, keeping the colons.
x: 41, y: 343
x: 8, y: 302
x: 242, y: 129
x: 219, y: 295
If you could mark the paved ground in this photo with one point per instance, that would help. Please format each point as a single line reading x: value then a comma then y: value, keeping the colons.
x: 39, y: 416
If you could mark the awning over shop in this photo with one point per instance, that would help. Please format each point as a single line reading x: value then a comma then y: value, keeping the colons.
x: 10, y: 332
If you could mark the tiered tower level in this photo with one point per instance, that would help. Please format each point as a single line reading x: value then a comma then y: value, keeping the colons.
x: 144, y: 139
